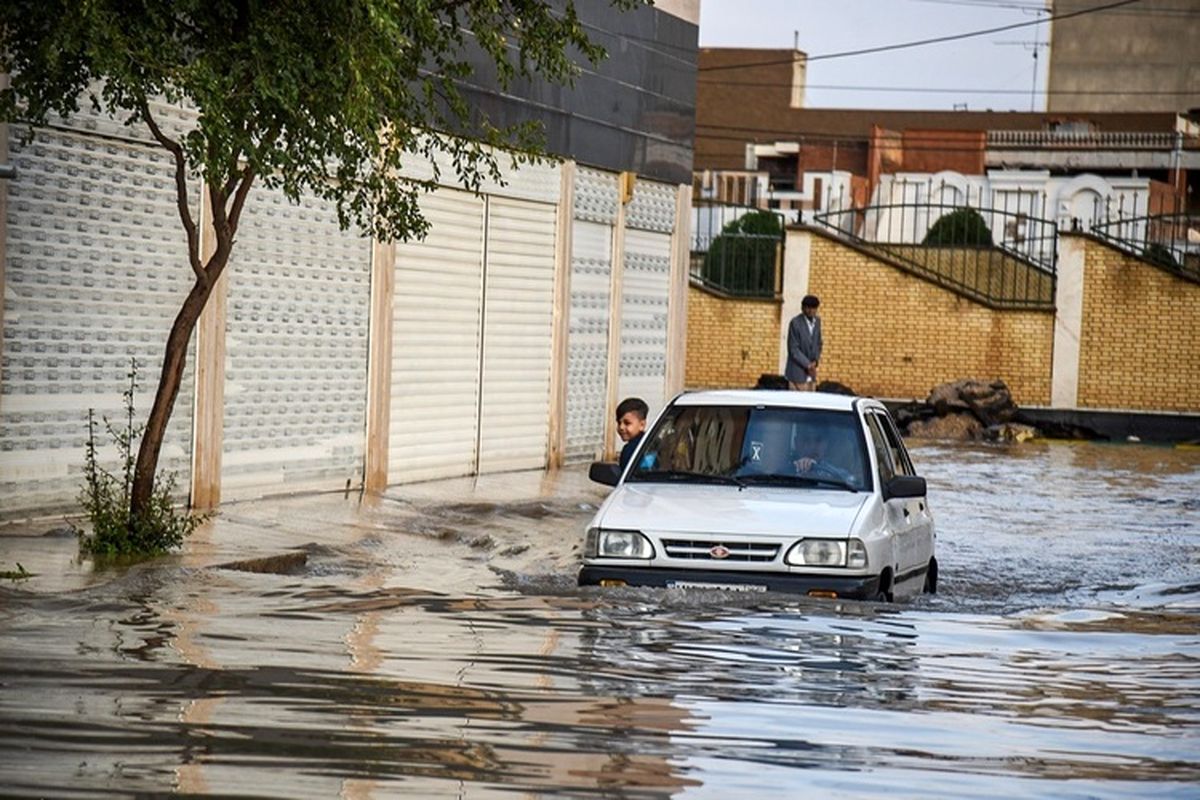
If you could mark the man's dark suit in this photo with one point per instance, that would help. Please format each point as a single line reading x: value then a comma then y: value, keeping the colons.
x: 803, y: 348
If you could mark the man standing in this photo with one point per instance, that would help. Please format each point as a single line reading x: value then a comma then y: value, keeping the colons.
x: 804, y: 346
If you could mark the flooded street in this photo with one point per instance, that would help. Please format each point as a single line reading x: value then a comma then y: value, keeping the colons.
x: 434, y: 644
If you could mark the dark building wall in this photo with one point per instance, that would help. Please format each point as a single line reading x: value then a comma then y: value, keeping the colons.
x: 1140, y: 57
x: 635, y: 111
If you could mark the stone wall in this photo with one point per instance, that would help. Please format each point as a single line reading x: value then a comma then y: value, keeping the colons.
x: 1139, y: 337
x: 730, y: 342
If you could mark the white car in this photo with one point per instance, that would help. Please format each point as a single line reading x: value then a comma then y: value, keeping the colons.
x: 766, y: 491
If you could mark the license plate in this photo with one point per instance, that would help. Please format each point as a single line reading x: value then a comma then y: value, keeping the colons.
x: 724, y: 587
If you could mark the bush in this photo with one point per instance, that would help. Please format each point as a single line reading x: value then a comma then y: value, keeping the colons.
x: 961, y: 227
x: 105, y: 498
x: 742, y: 258
x: 1160, y: 255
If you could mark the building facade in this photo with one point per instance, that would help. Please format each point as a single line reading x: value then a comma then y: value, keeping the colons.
x: 325, y: 360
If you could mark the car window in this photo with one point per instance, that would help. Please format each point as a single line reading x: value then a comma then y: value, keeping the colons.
x: 754, y: 444
x: 896, y: 446
x: 885, y: 469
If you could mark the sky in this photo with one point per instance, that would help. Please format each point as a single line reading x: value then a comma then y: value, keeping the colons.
x: 998, y: 61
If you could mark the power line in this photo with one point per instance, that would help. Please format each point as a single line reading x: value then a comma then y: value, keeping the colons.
x: 920, y: 42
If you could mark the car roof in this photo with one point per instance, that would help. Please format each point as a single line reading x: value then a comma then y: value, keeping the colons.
x: 767, y: 397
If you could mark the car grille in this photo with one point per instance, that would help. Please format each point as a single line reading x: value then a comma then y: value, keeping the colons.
x: 701, y: 550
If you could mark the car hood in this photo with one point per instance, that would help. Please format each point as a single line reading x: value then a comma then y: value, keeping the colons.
x: 708, y: 509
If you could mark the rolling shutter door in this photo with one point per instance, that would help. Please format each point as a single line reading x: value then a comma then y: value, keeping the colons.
x: 296, y: 343
x: 518, y: 302
x: 587, y: 343
x: 435, y: 345
x: 95, y: 271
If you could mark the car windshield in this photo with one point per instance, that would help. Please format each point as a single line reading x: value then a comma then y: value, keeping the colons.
x: 765, y: 446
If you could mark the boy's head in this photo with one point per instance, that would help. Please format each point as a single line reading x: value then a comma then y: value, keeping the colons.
x: 631, y: 417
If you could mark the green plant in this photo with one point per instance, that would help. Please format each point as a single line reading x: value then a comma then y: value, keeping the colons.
x: 1159, y: 254
x: 963, y: 227
x: 742, y: 258
x: 115, y: 529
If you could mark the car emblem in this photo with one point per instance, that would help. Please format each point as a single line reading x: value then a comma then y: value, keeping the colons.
x: 719, y: 551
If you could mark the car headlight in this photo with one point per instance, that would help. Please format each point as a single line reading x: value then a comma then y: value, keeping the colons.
x: 617, y: 544
x: 827, y: 553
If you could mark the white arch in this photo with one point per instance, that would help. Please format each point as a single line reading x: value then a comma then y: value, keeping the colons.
x: 949, y: 179
x: 1079, y: 198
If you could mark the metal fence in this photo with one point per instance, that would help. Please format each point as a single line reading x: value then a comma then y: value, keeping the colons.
x: 737, y: 250
x: 1170, y: 241
x: 1003, y: 256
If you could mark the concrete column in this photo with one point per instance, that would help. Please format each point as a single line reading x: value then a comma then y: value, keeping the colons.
x: 681, y: 250
x: 615, y: 302
x: 561, y: 325
x: 1068, y: 321
x: 797, y: 252
x: 379, y: 365
x: 208, y: 426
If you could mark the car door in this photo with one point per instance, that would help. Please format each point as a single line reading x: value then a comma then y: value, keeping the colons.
x: 920, y: 519
x: 901, y: 511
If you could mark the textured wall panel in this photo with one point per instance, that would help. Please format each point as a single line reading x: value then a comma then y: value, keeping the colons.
x: 435, y: 345
x: 652, y: 207
x: 539, y: 183
x: 96, y: 269
x: 518, y: 311
x: 296, y: 344
x: 587, y: 342
x: 644, y: 301
x: 595, y: 196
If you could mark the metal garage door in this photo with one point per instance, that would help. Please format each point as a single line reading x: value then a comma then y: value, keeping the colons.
x: 296, y: 349
x: 646, y: 286
x: 95, y: 271
x: 518, y: 303
x: 587, y: 343
x: 435, y: 343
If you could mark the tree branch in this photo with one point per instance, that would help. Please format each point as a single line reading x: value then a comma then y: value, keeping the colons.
x: 181, y: 194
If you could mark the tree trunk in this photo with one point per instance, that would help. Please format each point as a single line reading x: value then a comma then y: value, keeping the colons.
x: 169, y: 382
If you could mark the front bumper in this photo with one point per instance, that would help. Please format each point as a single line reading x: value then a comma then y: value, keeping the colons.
x: 857, y: 587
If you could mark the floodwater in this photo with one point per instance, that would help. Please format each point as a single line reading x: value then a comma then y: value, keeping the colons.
x: 434, y: 645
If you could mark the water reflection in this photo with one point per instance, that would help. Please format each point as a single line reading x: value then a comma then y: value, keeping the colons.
x: 408, y: 658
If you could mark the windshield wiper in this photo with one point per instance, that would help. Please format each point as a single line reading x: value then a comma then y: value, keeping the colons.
x: 798, y: 480
x: 685, y: 475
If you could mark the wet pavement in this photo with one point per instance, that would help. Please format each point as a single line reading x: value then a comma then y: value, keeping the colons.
x: 432, y: 643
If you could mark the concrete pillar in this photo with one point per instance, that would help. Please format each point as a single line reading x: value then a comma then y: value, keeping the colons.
x: 681, y: 252
x: 561, y: 325
x: 1068, y: 321
x: 797, y: 252
x: 379, y: 365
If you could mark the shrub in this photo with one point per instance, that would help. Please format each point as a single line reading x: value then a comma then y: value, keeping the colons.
x: 742, y: 258
x: 105, y: 498
x: 961, y: 227
x: 1160, y: 255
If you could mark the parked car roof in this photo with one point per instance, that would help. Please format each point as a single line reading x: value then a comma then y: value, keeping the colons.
x: 759, y: 397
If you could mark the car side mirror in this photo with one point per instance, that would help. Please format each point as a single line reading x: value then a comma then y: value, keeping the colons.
x: 606, y: 472
x: 904, y: 486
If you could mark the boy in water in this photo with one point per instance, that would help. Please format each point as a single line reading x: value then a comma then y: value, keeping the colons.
x: 631, y: 425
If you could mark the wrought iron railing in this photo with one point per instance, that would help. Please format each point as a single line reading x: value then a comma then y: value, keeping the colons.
x: 1004, y: 257
x: 1170, y: 241
x: 737, y: 250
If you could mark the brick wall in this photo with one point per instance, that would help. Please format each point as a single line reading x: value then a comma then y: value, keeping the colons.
x: 1140, y: 335
x: 730, y: 342
x: 890, y: 334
